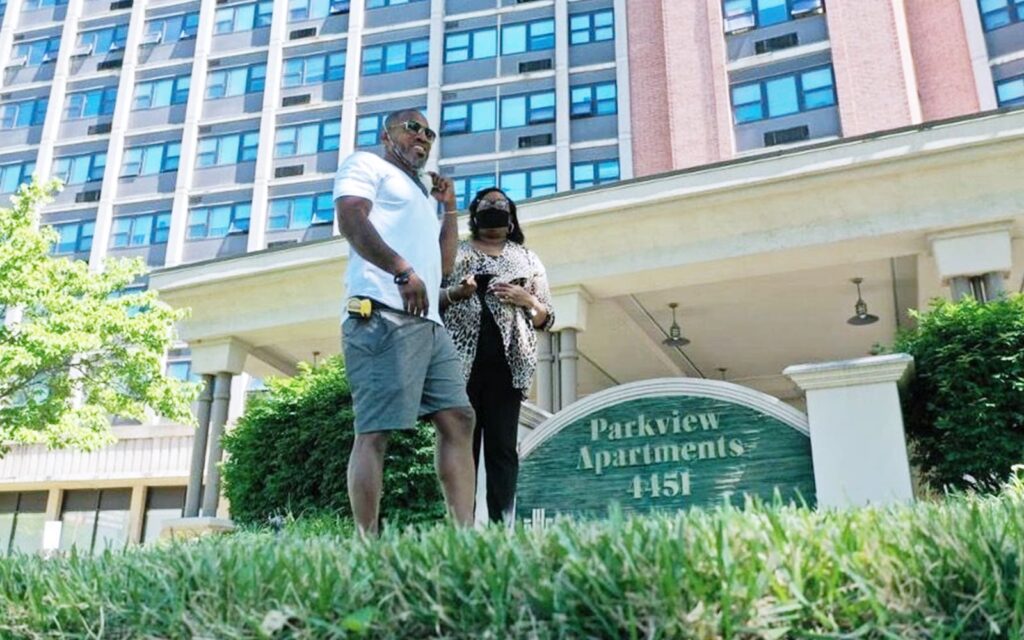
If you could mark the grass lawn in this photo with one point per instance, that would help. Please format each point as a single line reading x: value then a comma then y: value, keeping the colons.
x: 948, y: 569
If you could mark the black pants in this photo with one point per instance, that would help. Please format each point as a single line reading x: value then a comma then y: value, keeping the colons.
x: 496, y: 403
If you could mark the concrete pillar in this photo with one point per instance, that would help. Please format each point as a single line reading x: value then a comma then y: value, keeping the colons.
x: 858, y: 446
x: 218, y: 418
x: 545, y: 359
x: 8, y: 22
x: 50, y: 134
x: 195, y: 475
x: 556, y: 378
x: 983, y: 253
x: 568, y: 365
x: 137, y: 512
x: 622, y: 82
x: 563, y: 156
x: 978, y: 48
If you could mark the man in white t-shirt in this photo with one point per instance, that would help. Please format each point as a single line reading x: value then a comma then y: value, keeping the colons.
x: 399, y: 358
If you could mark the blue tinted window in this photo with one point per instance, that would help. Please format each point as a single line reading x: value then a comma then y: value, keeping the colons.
x: 35, y: 52
x: 597, y: 26
x: 528, y: 36
x: 471, y: 45
x: 100, y: 41
x: 1010, y: 92
x: 1000, y: 13
x: 243, y: 17
x: 225, y: 83
x: 397, y: 56
x: 529, y: 184
x: 88, y: 104
x: 173, y: 28
x: 29, y: 5
x: 218, y: 221
x: 469, y: 117
x: 161, y: 93
x: 227, y: 149
x: 299, y: 212
x: 377, y: 4
x: 74, y: 237
x: 783, y: 95
x: 80, y: 169
x: 368, y: 129
x: 142, y: 230
x: 151, y: 159
x: 24, y: 113
x: 314, y: 69
x: 468, y: 186
x: 588, y: 174
x: 306, y: 139
x: 13, y: 176
x: 743, y: 15
x: 534, y: 108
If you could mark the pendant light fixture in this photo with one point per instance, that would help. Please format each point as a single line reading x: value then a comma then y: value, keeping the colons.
x: 860, y: 309
x: 675, y: 334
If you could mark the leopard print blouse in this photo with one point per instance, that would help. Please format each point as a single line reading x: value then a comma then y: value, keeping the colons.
x: 462, y: 318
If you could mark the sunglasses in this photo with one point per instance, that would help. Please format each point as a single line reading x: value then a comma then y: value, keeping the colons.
x: 502, y: 205
x: 416, y: 128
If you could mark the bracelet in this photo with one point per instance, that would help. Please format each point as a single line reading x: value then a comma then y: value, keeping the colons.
x: 448, y: 294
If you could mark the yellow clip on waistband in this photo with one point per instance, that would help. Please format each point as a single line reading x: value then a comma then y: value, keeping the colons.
x: 360, y: 307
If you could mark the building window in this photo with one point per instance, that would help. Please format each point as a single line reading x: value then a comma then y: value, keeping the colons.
x: 87, y: 167
x: 22, y: 518
x: 155, y: 94
x: 29, y: 5
x: 162, y: 504
x: 314, y: 69
x: 218, y: 221
x: 92, y: 103
x: 1010, y: 92
x: 307, y: 139
x: 1000, y: 13
x: 151, y: 159
x: 783, y: 95
x: 181, y: 369
x: 95, y: 520
x: 377, y: 4
x: 299, y: 212
x: 743, y: 15
x: 368, y: 129
x: 140, y: 231
x: 36, y: 52
x: 469, y: 117
x: 588, y: 174
x: 25, y: 113
x: 171, y: 28
x: 534, y: 108
x: 594, y: 100
x: 528, y: 36
x: 13, y: 176
x: 471, y: 45
x: 235, y: 82
x: 100, y: 41
x: 529, y: 184
x: 231, y: 148
x: 597, y: 26
x: 466, y: 187
x: 243, y: 17
x: 73, y: 237
x: 397, y: 56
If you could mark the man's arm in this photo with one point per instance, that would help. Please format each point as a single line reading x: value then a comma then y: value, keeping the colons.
x: 354, y: 221
x: 444, y: 192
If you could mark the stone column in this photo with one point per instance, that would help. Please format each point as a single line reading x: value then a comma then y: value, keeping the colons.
x: 195, y: 475
x: 218, y: 418
x: 858, y: 446
x: 982, y: 254
x: 568, y: 365
x: 545, y: 358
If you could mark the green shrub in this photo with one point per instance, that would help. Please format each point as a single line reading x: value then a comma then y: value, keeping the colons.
x: 289, y: 454
x: 965, y: 406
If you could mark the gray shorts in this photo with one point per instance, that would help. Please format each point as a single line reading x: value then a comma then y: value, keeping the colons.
x: 401, y: 368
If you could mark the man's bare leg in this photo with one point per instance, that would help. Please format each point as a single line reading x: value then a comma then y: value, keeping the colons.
x: 455, y: 461
x: 365, y: 478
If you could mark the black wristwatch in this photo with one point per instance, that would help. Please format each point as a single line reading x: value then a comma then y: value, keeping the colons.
x: 402, y: 277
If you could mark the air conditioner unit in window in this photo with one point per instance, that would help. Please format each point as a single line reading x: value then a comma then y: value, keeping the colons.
x: 88, y: 196
x: 206, y: 128
x: 786, y: 136
x: 450, y: 95
x: 98, y: 129
x: 110, y: 64
x: 195, y: 199
x: 535, y: 65
x: 539, y: 140
x: 213, y: 63
x: 82, y: 51
x: 739, y: 24
x: 289, y: 171
x: 340, y: 6
x: 291, y: 101
x: 454, y: 24
x: 281, y: 243
x: 153, y: 38
x: 121, y: 4
x: 802, y: 8
x: 776, y: 44
x: 298, y: 34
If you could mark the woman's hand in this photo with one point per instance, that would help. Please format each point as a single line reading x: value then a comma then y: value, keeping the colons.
x: 464, y: 290
x: 513, y: 294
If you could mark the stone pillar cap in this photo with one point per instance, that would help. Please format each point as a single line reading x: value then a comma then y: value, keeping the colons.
x: 894, y: 367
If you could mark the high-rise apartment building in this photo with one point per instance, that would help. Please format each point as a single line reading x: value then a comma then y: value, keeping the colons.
x: 191, y: 131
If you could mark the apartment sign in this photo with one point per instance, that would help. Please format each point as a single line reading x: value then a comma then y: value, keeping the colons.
x: 665, y: 445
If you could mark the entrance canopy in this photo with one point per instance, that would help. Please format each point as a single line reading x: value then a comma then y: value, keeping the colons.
x: 757, y: 252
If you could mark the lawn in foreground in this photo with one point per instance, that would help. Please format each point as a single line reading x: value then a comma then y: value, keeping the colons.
x: 951, y: 569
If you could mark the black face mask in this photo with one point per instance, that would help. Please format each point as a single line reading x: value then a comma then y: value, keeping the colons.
x: 491, y: 218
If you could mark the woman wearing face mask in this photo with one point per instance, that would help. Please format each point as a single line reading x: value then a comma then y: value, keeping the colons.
x: 500, y: 299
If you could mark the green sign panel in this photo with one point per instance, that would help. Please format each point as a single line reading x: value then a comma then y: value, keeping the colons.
x: 664, y: 444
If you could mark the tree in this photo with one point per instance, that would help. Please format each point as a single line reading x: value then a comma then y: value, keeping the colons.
x: 965, y: 405
x: 288, y: 453
x: 75, y: 347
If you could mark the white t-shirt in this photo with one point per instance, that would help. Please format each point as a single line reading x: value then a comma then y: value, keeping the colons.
x: 406, y: 220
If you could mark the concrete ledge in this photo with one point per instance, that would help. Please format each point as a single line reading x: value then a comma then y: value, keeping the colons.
x: 845, y: 373
x: 188, y: 528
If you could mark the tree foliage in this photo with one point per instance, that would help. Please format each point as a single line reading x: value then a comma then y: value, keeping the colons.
x: 965, y: 405
x: 289, y: 454
x: 75, y: 348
